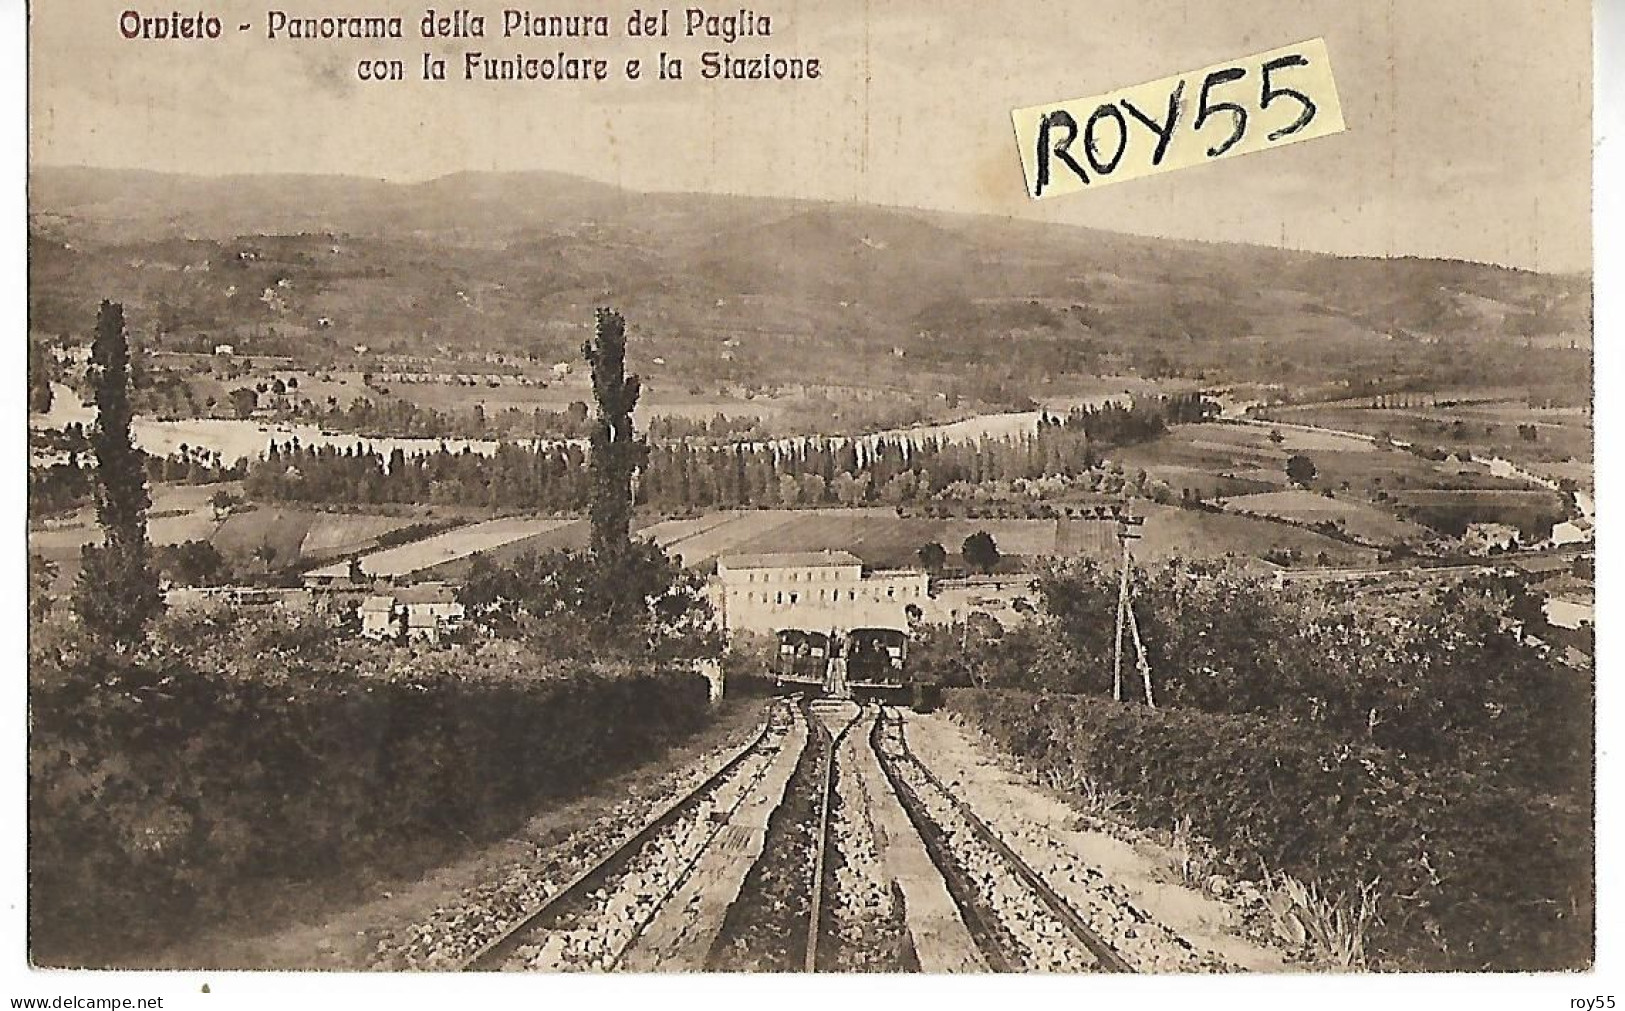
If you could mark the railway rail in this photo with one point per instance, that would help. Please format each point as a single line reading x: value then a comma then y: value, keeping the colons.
x: 783, y: 910
x: 827, y: 743
x: 1029, y: 926
x: 821, y: 845
x: 596, y: 879
x: 776, y: 923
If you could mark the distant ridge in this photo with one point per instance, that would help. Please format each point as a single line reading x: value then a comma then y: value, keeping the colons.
x: 505, y: 259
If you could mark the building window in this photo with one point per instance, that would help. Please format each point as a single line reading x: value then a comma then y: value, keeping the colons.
x: 781, y: 597
x: 794, y: 597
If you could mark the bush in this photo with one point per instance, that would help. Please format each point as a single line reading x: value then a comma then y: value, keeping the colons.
x: 236, y: 754
x: 1476, y: 872
x: 1444, y: 677
x: 747, y: 666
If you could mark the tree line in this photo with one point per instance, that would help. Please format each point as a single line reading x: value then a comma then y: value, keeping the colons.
x: 555, y: 477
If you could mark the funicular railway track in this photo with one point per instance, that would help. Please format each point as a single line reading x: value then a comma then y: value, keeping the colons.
x: 828, y: 743
x: 690, y: 890
x: 1016, y: 918
x: 671, y: 843
x: 777, y: 921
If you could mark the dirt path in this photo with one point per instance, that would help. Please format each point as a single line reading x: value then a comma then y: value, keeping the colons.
x: 1052, y: 838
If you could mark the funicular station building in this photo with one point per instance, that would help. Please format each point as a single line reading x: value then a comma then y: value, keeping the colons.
x: 813, y: 590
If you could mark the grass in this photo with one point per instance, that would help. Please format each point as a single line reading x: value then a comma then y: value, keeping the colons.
x: 1190, y: 854
x: 1084, y: 793
x: 1100, y: 801
x: 1171, y: 532
x: 1334, y: 927
x: 1356, y: 518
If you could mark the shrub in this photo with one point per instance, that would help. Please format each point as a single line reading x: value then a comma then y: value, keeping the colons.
x: 1476, y: 872
x: 1445, y: 678
x: 238, y: 753
x: 980, y: 552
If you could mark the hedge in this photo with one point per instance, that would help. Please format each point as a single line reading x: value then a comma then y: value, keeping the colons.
x: 1475, y: 872
x: 152, y: 811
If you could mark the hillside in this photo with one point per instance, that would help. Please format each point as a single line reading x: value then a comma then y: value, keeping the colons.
x: 311, y: 266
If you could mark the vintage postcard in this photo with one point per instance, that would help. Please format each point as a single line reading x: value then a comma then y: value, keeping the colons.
x: 797, y: 489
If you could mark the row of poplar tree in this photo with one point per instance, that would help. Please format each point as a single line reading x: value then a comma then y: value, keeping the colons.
x: 555, y: 477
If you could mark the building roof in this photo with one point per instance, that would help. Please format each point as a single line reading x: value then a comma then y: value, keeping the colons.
x: 789, y: 560
x: 378, y: 603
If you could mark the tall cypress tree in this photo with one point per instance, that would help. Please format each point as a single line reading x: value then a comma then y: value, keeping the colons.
x: 617, y: 452
x: 117, y: 591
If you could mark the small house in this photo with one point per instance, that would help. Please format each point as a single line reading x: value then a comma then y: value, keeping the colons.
x: 1484, y: 538
x: 379, y: 616
x: 430, y: 610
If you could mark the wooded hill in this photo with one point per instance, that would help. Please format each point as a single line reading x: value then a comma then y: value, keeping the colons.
x: 807, y: 291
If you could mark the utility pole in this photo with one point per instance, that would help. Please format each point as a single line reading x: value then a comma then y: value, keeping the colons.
x: 1127, y: 527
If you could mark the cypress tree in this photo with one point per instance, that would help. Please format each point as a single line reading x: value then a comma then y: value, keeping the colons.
x: 616, y: 450
x: 117, y: 591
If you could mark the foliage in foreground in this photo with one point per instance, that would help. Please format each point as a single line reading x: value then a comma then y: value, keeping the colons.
x: 1475, y: 872
x: 1443, y: 676
x: 232, y: 755
x: 638, y: 603
x: 1333, y: 734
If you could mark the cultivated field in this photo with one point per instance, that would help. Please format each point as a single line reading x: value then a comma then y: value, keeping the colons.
x: 1357, y: 519
x: 698, y: 542
x: 884, y: 540
x: 1534, y: 512
x: 450, y: 546
x: 1379, y: 495
x: 551, y: 535
x: 1171, y: 532
x: 60, y: 542
x: 333, y: 534
x: 182, y: 513
x: 1561, y: 433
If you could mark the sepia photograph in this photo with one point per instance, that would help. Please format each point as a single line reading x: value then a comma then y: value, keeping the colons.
x: 799, y: 490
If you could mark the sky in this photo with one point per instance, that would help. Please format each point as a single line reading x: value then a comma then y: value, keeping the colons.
x: 1469, y: 121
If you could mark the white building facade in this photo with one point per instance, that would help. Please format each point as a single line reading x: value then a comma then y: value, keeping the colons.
x: 815, y: 591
